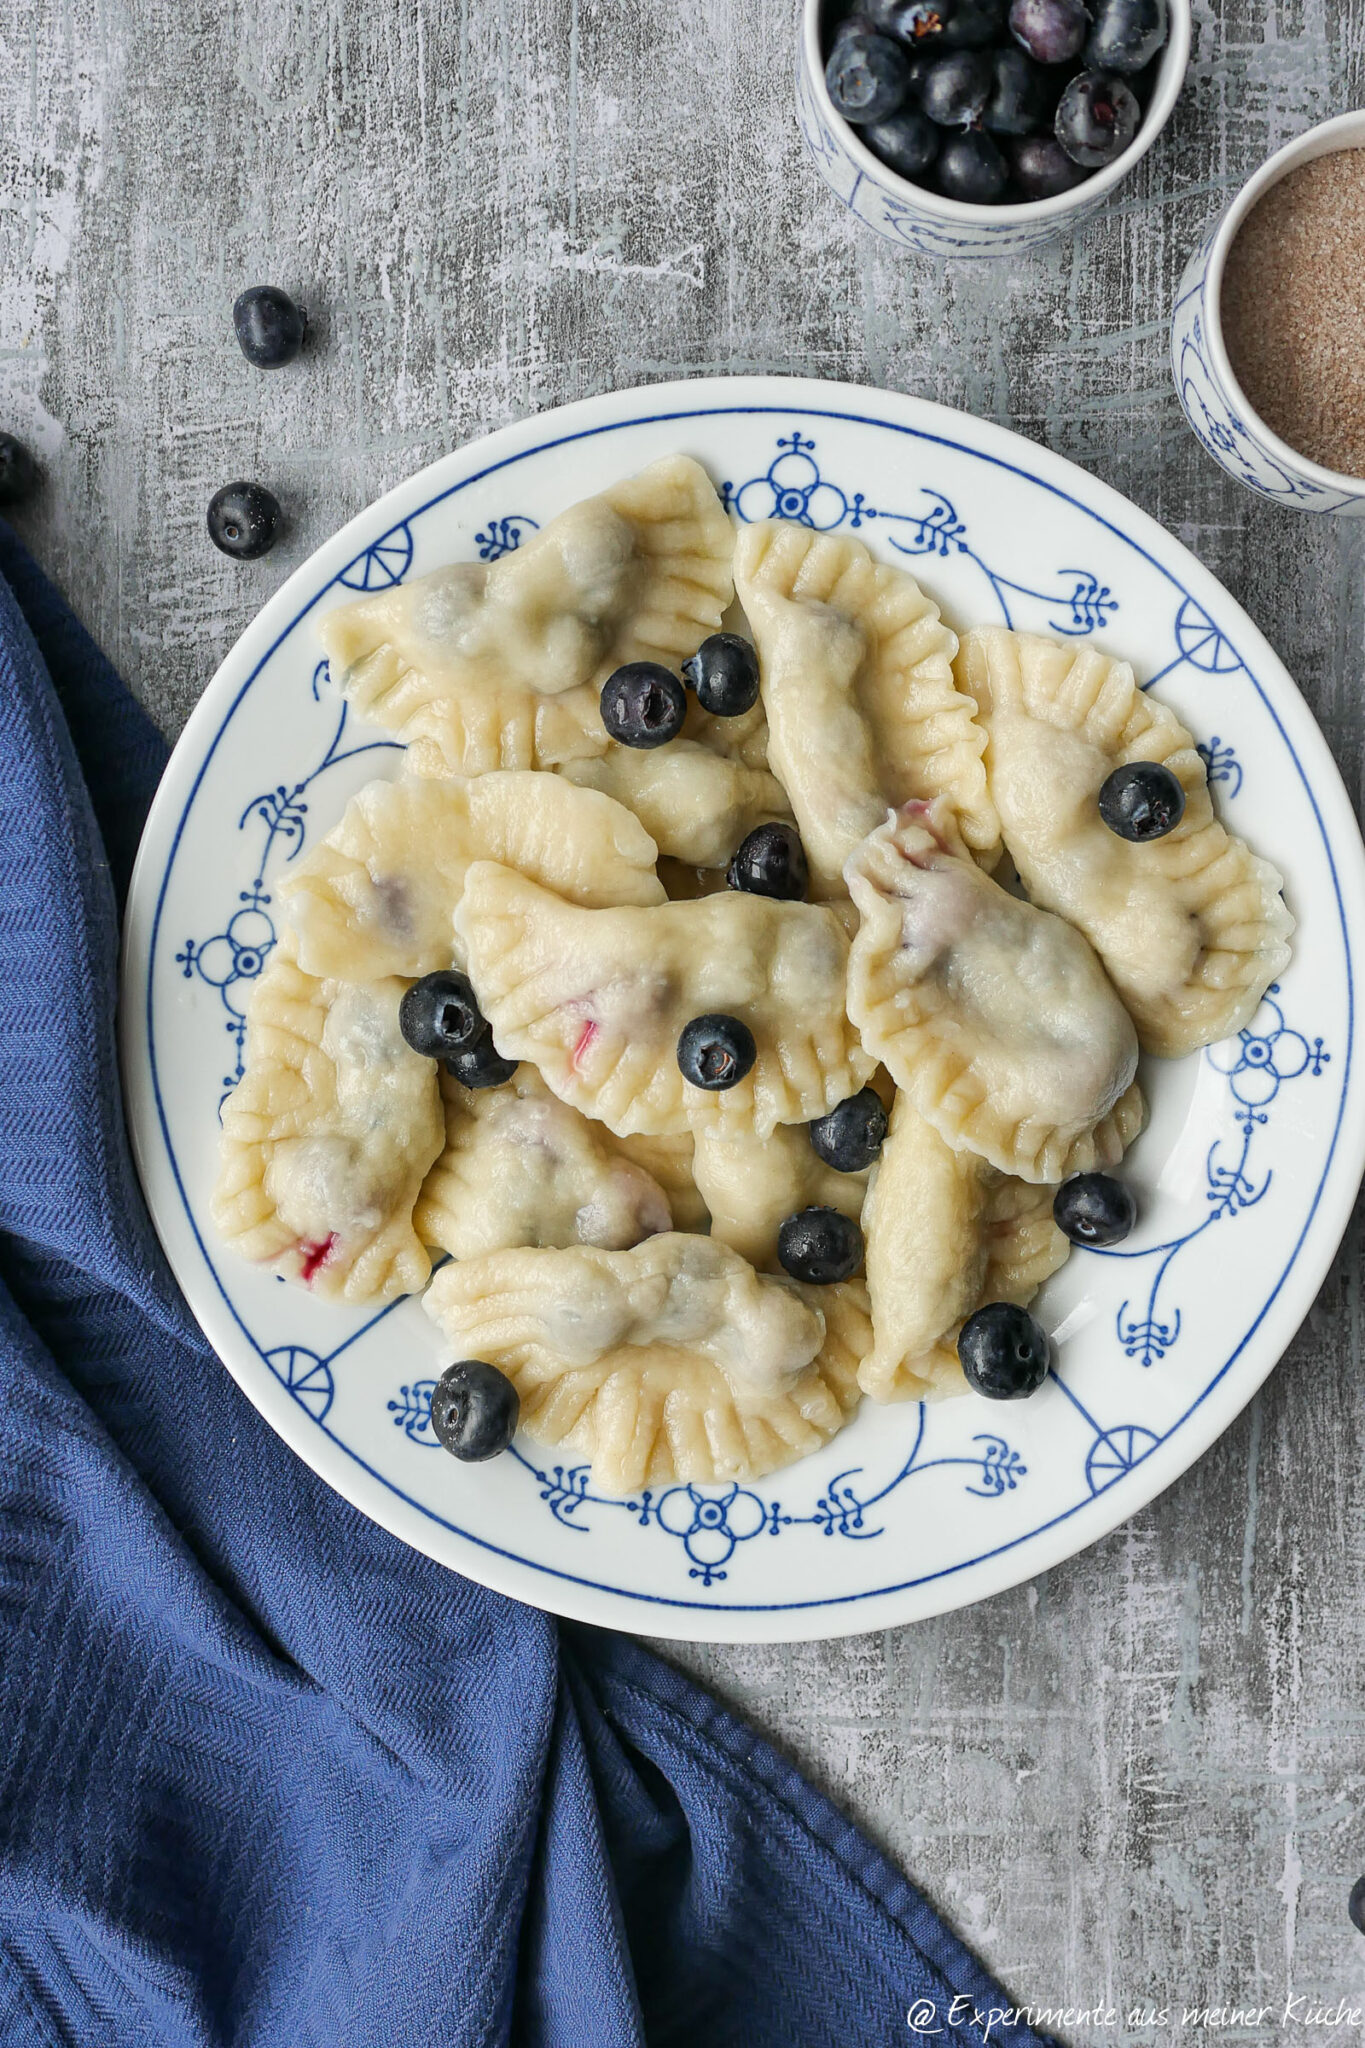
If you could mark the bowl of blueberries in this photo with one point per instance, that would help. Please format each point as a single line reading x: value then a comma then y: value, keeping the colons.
x: 984, y: 127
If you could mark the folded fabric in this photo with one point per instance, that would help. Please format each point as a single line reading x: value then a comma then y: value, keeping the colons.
x: 266, y: 1776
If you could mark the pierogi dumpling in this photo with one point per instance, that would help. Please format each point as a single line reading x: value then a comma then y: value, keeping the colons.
x: 672, y: 1361
x: 668, y: 1160
x: 522, y: 1168
x: 858, y: 690
x: 327, y: 1137
x: 751, y: 1185
x: 1192, y: 928
x: 696, y: 805
x: 598, y: 1000
x: 994, y: 1016
x: 376, y: 896
x: 482, y: 666
x: 945, y: 1234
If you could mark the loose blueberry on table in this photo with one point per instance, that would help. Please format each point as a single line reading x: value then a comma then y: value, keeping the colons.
x: 852, y: 1134
x: 1355, y: 1905
x: 1094, y: 1209
x: 18, y: 471
x: 474, y: 1410
x: 268, y: 325
x: 244, y: 520
x: 716, y: 1051
x: 1141, y: 802
x: 643, y: 704
x: 770, y: 861
x: 820, y: 1246
x: 724, y: 674
x: 993, y: 107
x: 1003, y: 1352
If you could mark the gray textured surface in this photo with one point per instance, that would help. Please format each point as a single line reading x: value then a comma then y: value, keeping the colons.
x: 1138, y: 1780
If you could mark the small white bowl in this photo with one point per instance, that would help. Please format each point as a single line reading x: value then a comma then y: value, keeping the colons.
x: 1214, y: 403
x: 915, y: 218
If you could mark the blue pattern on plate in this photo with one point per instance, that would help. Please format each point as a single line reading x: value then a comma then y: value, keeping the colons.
x: 231, y: 959
x: 793, y: 488
x: 711, y: 1522
x: 708, y: 1521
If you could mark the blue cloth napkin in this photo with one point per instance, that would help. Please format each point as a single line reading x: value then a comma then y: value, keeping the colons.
x: 266, y: 1776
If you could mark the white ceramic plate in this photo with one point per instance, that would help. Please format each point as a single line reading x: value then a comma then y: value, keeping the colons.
x: 1246, y: 1173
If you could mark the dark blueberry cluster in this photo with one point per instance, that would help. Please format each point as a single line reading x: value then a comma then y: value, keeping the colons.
x: 995, y: 102
x: 440, y: 1017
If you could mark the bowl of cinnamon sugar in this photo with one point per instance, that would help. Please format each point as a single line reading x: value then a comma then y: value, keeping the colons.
x: 1268, y: 332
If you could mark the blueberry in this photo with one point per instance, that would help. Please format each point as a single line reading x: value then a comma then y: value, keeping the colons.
x: 18, y: 471
x: 910, y: 21
x: 1049, y: 31
x: 1094, y: 1208
x: 244, y: 520
x: 850, y: 1135
x: 770, y: 861
x: 917, y: 66
x: 974, y: 25
x: 1355, y: 1905
x: 1142, y: 801
x: 956, y: 87
x: 474, y: 1410
x: 1018, y: 104
x: 1042, y: 167
x: 724, y: 674
x: 440, y: 1014
x: 907, y: 143
x: 268, y: 325
x: 479, y: 1064
x: 867, y: 75
x: 643, y: 705
x: 820, y: 1246
x: 716, y: 1051
x: 970, y: 167
x: 1097, y: 118
x: 1004, y: 1352
x: 1127, y: 35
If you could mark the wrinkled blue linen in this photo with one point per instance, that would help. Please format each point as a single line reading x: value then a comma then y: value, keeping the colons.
x: 266, y: 1776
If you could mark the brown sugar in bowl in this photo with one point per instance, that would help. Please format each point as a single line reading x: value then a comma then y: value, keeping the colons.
x: 1293, y: 308
x: 1266, y: 328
